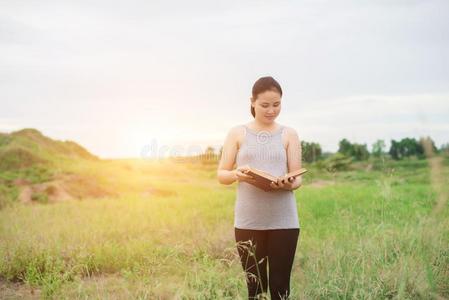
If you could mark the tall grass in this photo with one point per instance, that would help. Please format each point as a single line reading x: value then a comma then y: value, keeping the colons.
x: 371, y: 235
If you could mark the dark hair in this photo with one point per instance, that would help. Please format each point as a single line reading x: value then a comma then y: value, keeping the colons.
x: 264, y: 84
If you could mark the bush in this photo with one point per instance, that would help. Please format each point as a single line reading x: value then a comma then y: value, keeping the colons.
x: 337, y: 162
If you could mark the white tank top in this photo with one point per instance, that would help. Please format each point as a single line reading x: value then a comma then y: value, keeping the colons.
x: 254, y: 207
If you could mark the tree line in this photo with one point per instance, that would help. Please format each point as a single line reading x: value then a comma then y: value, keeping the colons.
x: 312, y: 151
x: 406, y: 147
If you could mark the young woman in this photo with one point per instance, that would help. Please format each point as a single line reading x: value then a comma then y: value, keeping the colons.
x: 266, y: 224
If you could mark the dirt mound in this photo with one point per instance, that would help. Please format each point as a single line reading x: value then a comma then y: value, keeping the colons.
x: 17, y: 290
x: 64, y: 187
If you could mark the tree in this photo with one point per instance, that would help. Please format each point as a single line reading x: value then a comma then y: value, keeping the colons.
x: 209, y: 153
x: 444, y: 148
x: 394, y: 151
x: 345, y: 147
x: 378, y: 148
x: 311, y: 152
x: 358, y: 151
x: 405, y: 148
x: 208, y: 156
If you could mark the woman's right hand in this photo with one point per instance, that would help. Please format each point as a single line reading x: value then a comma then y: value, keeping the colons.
x: 241, y: 175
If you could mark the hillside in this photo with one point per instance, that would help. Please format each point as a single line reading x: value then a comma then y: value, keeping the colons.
x: 27, y: 147
x: 37, y: 169
x: 34, y: 167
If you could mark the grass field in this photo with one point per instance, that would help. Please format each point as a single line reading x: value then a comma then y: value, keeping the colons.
x: 369, y: 233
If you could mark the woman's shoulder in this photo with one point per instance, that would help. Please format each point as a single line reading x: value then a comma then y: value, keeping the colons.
x: 236, y: 133
x: 289, y: 135
x: 237, y: 129
x: 289, y: 131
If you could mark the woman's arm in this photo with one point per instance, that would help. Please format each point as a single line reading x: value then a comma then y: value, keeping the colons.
x: 294, y: 157
x: 225, y: 174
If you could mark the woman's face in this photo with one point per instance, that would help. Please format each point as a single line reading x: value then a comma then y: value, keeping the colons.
x: 267, y: 106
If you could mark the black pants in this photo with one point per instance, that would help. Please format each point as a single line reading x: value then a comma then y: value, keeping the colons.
x: 275, y: 247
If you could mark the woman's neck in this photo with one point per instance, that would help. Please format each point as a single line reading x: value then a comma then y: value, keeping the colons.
x: 264, y: 126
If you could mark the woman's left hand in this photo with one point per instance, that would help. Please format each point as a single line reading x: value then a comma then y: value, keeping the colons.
x: 286, y: 183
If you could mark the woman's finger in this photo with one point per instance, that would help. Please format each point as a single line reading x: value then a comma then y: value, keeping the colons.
x: 244, y: 177
x: 244, y: 168
x: 247, y: 176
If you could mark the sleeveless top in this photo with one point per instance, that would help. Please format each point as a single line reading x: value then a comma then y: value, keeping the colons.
x: 254, y: 207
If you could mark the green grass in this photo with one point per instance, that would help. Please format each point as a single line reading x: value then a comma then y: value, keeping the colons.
x: 369, y: 235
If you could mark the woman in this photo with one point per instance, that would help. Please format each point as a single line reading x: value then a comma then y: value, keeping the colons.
x: 266, y: 224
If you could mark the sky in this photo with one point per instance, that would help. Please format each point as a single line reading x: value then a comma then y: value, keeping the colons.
x: 121, y: 78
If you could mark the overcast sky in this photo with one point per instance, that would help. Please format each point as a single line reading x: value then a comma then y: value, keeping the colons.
x: 118, y: 76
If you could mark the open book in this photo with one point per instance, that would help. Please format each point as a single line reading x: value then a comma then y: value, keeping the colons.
x: 263, y: 179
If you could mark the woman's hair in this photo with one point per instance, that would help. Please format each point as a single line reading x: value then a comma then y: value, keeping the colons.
x: 264, y: 84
